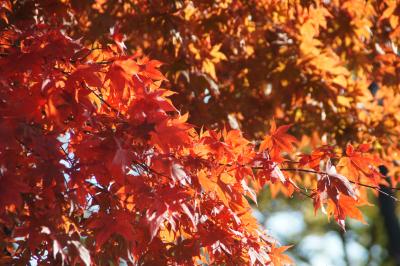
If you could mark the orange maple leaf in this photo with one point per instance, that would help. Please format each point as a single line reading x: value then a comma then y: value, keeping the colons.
x: 359, y: 164
x: 278, y: 141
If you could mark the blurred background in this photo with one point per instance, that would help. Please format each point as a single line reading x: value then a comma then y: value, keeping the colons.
x: 316, y: 241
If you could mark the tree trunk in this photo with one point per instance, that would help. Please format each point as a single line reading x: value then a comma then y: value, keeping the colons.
x: 388, y: 210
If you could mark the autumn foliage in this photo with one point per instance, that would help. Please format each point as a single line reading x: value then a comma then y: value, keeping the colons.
x: 97, y: 165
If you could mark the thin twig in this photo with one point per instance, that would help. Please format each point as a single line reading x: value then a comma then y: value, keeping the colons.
x: 353, y: 182
x: 103, y: 101
x: 324, y: 173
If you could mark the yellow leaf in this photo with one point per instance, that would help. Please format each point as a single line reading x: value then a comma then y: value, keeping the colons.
x: 216, y: 54
x: 189, y: 11
x: 345, y: 101
x: 249, y: 50
x: 166, y: 236
x: 194, y: 51
x: 209, y: 68
x: 341, y: 81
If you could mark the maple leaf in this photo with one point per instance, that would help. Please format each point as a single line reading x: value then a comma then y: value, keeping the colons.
x: 277, y: 256
x: 120, y: 74
x: 171, y: 133
x: 156, y: 219
x: 4, y: 7
x: 118, y: 37
x: 105, y: 226
x: 317, y: 155
x: 346, y: 207
x: 121, y: 160
x: 334, y: 183
x: 209, y: 185
x: 278, y: 141
x: 268, y: 170
x: 358, y: 163
x: 336, y: 191
x: 209, y: 68
x: 11, y: 188
x: 215, y: 145
x: 87, y: 74
x: 149, y: 69
x: 152, y: 108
